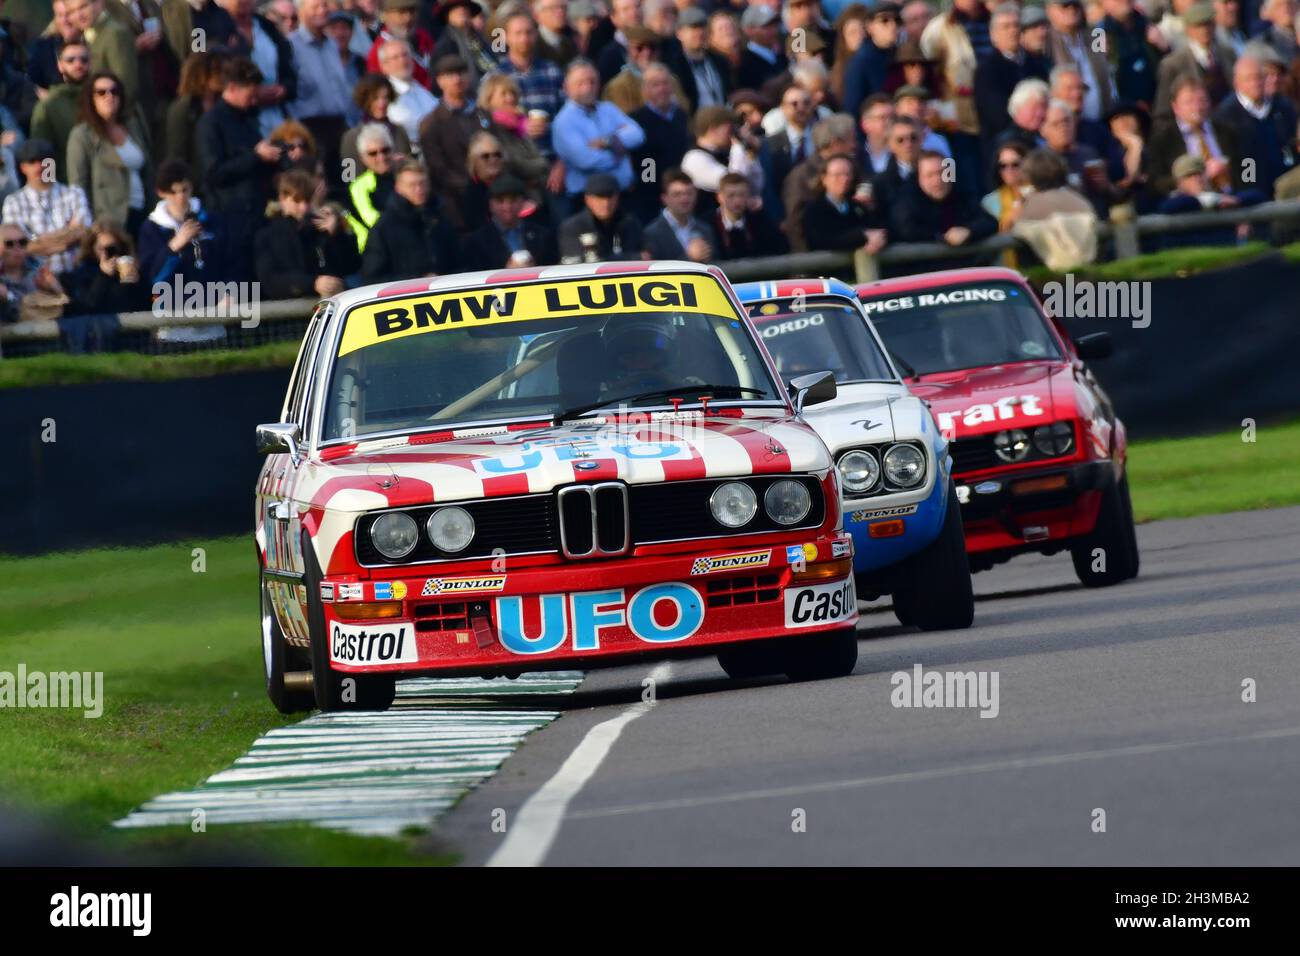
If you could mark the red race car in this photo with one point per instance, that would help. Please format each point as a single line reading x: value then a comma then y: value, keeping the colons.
x: 1039, y: 455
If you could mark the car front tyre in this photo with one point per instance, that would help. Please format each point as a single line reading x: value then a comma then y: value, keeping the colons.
x: 822, y: 656
x: 747, y: 661
x: 937, y: 595
x: 278, y: 658
x: 1109, y: 554
x: 335, y: 690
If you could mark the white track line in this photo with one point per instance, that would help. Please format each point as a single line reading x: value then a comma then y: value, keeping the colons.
x: 533, y: 832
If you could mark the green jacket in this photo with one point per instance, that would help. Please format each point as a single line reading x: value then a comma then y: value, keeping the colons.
x: 112, y: 48
x: 94, y: 165
x: 53, y: 120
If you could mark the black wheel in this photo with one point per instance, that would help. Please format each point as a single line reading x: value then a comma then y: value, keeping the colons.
x: 334, y: 690
x: 822, y: 656
x: 746, y: 661
x: 277, y: 658
x: 1109, y: 554
x: 938, y: 595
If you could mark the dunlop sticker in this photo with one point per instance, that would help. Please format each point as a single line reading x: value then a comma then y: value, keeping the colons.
x: 398, y: 318
x: 730, y: 562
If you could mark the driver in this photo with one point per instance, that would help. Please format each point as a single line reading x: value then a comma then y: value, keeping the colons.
x: 640, y: 356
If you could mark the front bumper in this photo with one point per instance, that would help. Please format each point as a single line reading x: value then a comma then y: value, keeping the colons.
x: 885, y: 534
x: 1038, y: 509
x: 536, y: 618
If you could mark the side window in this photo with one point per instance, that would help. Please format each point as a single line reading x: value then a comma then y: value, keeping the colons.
x: 300, y: 380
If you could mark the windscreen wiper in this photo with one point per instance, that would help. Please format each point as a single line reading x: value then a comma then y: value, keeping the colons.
x: 907, y: 367
x: 715, y: 391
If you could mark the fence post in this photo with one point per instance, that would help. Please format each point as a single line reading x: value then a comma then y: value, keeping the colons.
x: 866, y: 267
x: 1124, y: 231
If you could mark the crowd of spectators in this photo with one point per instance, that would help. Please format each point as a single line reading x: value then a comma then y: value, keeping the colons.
x: 318, y: 144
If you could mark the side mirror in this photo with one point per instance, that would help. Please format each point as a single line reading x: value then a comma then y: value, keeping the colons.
x: 279, y: 437
x: 813, y: 389
x: 1098, y: 345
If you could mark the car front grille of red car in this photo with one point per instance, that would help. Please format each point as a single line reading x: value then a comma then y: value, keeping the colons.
x: 743, y: 589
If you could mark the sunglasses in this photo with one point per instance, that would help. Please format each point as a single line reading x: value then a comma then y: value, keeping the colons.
x: 1011, y: 165
x: 112, y: 251
x: 384, y: 151
x: 75, y: 58
x: 15, y: 243
x: 495, y: 155
x: 910, y: 138
x: 107, y: 91
x: 296, y: 144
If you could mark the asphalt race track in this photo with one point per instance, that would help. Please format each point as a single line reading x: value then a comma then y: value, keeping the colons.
x: 1127, y: 700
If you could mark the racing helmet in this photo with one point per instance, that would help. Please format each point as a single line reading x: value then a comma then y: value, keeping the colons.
x: 639, y: 345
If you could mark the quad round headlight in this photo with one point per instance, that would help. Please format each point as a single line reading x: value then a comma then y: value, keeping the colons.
x: 395, y: 535
x: 904, y: 465
x: 733, y: 504
x: 450, y: 529
x: 1055, y: 439
x: 1012, y: 445
x: 859, y: 471
x: 787, y: 502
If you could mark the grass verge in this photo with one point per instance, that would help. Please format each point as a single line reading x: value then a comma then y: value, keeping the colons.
x: 58, y: 368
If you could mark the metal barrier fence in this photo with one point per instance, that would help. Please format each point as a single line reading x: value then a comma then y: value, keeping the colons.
x: 285, y: 320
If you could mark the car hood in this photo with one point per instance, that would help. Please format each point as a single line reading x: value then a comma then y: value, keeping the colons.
x: 996, y: 397
x: 472, y: 464
x: 869, y: 412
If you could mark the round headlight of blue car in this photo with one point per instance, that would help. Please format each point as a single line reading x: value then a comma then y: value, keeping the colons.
x: 905, y: 466
x: 394, y: 535
x: 787, y: 502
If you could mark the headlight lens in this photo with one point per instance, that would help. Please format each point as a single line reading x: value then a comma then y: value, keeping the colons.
x: 1012, y: 445
x: 733, y: 504
x: 1053, y: 440
x: 859, y: 471
x: 787, y: 502
x: 394, y: 535
x: 451, y: 529
x: 904, y: 465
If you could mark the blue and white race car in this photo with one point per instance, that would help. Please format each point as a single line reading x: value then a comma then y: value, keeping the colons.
x: 898, y: 496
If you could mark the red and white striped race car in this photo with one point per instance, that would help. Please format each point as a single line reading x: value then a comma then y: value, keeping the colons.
x: 491, y: 473
x: 1039, y: 455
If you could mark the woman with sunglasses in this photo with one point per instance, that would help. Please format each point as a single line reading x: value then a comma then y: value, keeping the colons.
x: 486, y: 162
x: 1005, y: 201
x: 108, y: 153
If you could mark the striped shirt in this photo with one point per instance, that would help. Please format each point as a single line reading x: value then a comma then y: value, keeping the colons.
x: 45, y: 210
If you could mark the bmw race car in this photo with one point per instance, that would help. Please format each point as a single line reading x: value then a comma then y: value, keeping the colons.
x: 1038, y: 451
x: 899, y: 501
x: 544, y: 468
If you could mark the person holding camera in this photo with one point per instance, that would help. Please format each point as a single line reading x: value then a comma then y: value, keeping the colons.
x: 721, y: 147
x: 107, y: 280
x: 307, y: 249
x: 180, y: 237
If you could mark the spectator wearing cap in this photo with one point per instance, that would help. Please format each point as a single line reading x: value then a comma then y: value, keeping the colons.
x: 955, y: 40
x: 590, y: 135
x: 239, y: 164
x: 1034, y: 30
x: 398, y: 19
x: 410, y: 238
x: 305, y: 249
x: 460, y: 37
x: 1262, y: 125
x: 108, y: 153
x: 867, y: 70
x: 601, y: 232
x: 624, y: 90
x: 445, y: 133
x: 1200, y: 57
x: 270, y: 50
x: 508, y: 238
x: 1192, y: 130
x: 667, y: 138
x: 112, y: 46
x: 412, y: 102
x: 743, y: 232
x: 540, y: 81
x: 999, y: 71
x: 56, y: 216
x: 609, y: 43
x: 1133, y: 60
x: 324, y: 102
x: 678, y: 233
x: 911, y: 67
x: 374, y: 94
x: 555, y: 37
x: 56, y: 113
x: 1071, y: 41
x: 718, y: 151
x: 910, y: 102
x: 764, y: 55
x: 705, y: 76
x: 1193, y: 192
x: 840, y: 217
x: 931, y: 210
x: 794, y: 142
x: 585, y: 18
x: 832, y: 136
